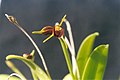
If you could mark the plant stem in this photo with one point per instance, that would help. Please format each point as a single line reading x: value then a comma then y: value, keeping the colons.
x: 14, y: 21
x: 70, y: 36
x: 72, y: 49
x: 35, y: 45
x: 66, y: 54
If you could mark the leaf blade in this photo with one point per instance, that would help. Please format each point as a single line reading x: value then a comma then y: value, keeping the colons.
x: 85, y: 50
x: 34, y: 67
x: 96, y: 63
x: 67, y: 77
x: 5, y: 76
x: 14, y: 68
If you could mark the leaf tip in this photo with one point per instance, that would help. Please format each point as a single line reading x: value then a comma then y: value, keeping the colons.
x: 33, y: 52
x: 35, y: 32
x: 96, y: 33
x: 7, y: 58
x: 107, y: 45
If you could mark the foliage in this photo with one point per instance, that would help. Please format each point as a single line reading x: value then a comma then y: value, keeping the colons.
x: 88, y: 64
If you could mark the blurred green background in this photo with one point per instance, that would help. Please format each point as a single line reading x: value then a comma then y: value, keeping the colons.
x: 85, y: 16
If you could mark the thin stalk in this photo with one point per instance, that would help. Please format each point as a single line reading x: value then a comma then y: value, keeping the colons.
x: 66, y: 54
x: 70, y: 36
x: 75, y: 66
x: 0, y: 3
x: 14, y: 21
x: 71, y: 45
x: 72, y: 48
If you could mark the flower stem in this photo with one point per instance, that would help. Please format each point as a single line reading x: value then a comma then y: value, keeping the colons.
x: 66, y: 54
x: 14, y: 21
x: 72, y: 49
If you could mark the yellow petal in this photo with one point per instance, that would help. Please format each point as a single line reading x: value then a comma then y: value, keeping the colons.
x: 37, y: 32
x: 48, y: 38
x: 62, y: 20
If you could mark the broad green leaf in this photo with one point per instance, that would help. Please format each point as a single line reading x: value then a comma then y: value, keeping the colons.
x: 5, y: 76
x: 68, y: 77
x: 96, y: 63
x: 36, y: 70
x: 85, y: 50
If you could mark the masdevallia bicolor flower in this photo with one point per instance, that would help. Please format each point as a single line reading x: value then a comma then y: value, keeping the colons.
x: 56, y: 31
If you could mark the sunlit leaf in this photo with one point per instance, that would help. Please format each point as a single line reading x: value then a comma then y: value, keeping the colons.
x: 85, y: 50
x: 37, y: 71
x: 14, y: 68
x: 96, y: 64
x: 67, y: 77
x: 34, y: 75
x: 5, y: 76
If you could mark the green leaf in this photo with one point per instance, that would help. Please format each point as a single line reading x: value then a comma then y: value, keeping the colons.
x: 85, y: 50
x: 96, y: 63
x: 14, y: 68
x: 5, y: 76
x: 67, y: 77
x: 36, y: 70
x: 34, y: 75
